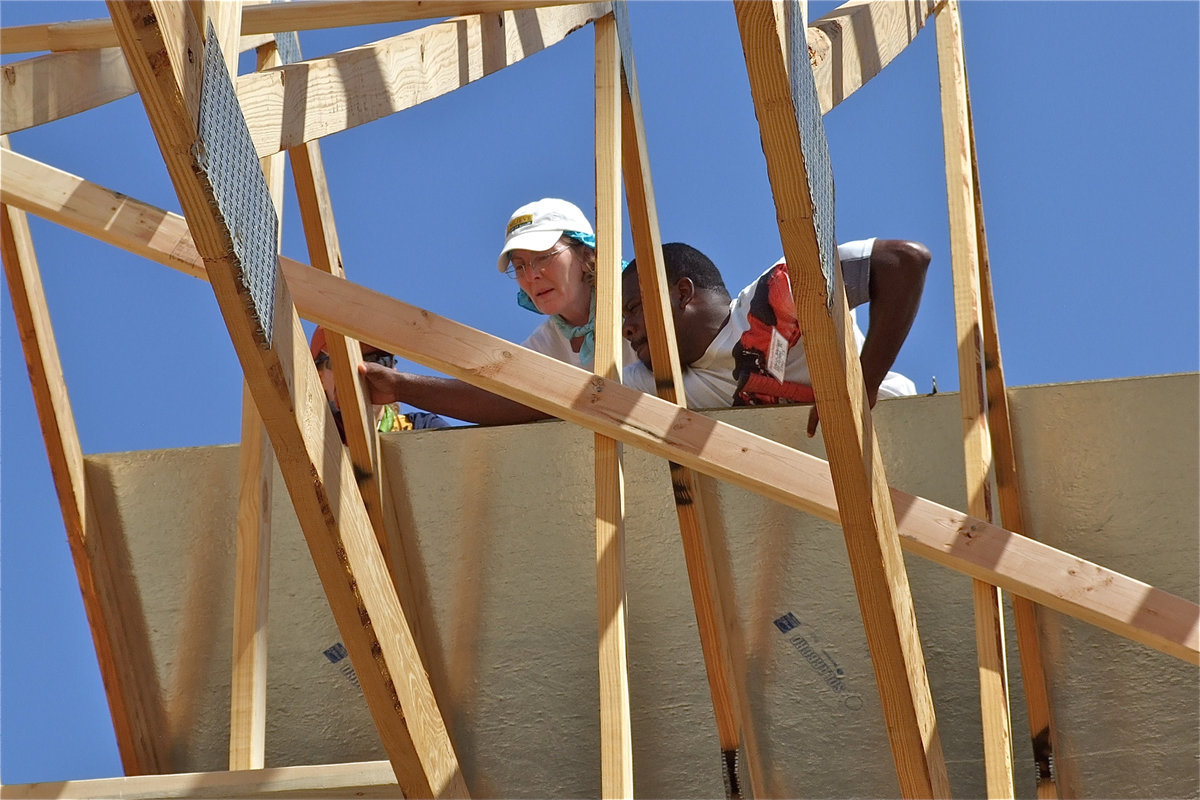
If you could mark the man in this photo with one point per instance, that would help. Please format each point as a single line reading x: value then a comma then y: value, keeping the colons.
x: 387, y: 415
x: 745, y: 351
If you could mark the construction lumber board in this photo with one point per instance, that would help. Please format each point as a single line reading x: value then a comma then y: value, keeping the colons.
x: 849, y: 45
x: 297, y: 103
x: 365, y: 779
x: 616, y: 736
x: 42, y: 89
x: 161, y: 45
x: 118, y: 630
x: 714, y: 612
x: 1048, y: 576
x: 854, y: 42
x: 867, y: 517
x: 1042, y: 728
x: 977, y: 451
x: 256, y: 468
x: 263, y: 18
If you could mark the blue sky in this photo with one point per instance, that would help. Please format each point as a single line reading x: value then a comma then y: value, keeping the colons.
x: 1086, y: 122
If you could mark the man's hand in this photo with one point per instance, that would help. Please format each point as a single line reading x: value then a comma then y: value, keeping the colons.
x: 814, y: 418
x: 382, y: 383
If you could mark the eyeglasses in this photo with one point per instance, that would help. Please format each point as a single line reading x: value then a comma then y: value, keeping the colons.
x: 536, y: 264
x: 384, y: 359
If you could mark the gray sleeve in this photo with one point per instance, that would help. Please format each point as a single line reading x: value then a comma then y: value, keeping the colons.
x: 856, y: 270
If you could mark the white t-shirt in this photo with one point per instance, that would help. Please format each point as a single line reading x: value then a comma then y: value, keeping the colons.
x: 756, y: 357
x: 548, y: 339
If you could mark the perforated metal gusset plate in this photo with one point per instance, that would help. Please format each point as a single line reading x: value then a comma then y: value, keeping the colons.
x: 814, y: 146
x: 226, y: 155
x: 288, y: 45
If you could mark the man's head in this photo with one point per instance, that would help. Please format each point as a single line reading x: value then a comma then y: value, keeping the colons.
x: 698, y: 298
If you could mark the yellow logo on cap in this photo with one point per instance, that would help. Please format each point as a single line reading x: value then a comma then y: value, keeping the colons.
x: 517, y: 222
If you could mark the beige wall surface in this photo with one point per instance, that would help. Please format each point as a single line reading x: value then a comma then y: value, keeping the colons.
x: 504, y: 525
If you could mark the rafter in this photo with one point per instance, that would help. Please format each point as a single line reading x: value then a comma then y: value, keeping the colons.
x: 1051, y: 577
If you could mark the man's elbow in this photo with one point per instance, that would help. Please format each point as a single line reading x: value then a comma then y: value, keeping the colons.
x: 907, y: 256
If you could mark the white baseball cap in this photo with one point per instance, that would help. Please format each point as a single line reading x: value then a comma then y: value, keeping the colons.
x: 537, y: 226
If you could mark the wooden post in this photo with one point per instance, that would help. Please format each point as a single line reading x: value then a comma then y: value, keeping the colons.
x: 117, y: 626
x: 864, y: 505
x: 716, y: 618
x: 989, y: 611
x: 616, y: 742
x: 1050, y: 577
x: 166, y: 55
x: 1043, y: 732
x: 256, y: 474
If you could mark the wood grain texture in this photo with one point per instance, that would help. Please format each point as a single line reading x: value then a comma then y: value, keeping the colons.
x: 292, y: 403
x: 616, y: 736
x: 300, y: 102
x: 252, y: 567
x: 113, y: 614
x: 977, y: 450
x: 261, y: 18
x: 854, y: 42
x: 364, y: 778
x: 1042, y: 728
x: 1048, y: 576
x: 716, y: 616
x: 867, y: 518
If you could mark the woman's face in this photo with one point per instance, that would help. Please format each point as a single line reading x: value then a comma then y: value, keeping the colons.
x: 554, y: 280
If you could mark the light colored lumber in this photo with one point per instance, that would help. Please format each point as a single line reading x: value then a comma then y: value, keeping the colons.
x: 297, y: 103
x: 1050, y: 577
x: 42, y: 89
x: 252, y: 569
x: 716, y: 619
x: 262, y: 18
x: 117, y: 627
x: 854, y: 42
x: 165, y: 54
x: 360, y: 779
x: 867, y: 518
x: 842, y: 62
x: 50, y: 87
x: 324, y: 251
x: 616, y: 739
x: 977, y: 451
x: 1043, y: 732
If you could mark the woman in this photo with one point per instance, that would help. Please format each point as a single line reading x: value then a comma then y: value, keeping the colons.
x: 549, y: 249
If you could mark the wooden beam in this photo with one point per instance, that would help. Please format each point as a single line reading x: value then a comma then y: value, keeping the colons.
x: 866, y: 513
x: 264, y: 17
x: 849, y: 45
x: 716, y: 617
x: 1052, y: 578
x: 616, y: 739
x: 360, y: 779
x: 40, y: 90
x: 1042, y: 728
x: 297, y: 103
x: 256, y: 476
x: 116, y: 623
x: 166, y: 55
x: 977, y: 451
x: 854, y: 42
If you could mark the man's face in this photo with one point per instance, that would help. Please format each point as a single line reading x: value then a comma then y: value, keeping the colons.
x: 633, y: 321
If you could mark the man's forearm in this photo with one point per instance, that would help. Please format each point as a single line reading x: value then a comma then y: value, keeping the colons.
x: 454, y: 398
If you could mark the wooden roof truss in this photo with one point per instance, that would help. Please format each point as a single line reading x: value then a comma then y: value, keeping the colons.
x: 159, y: 48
